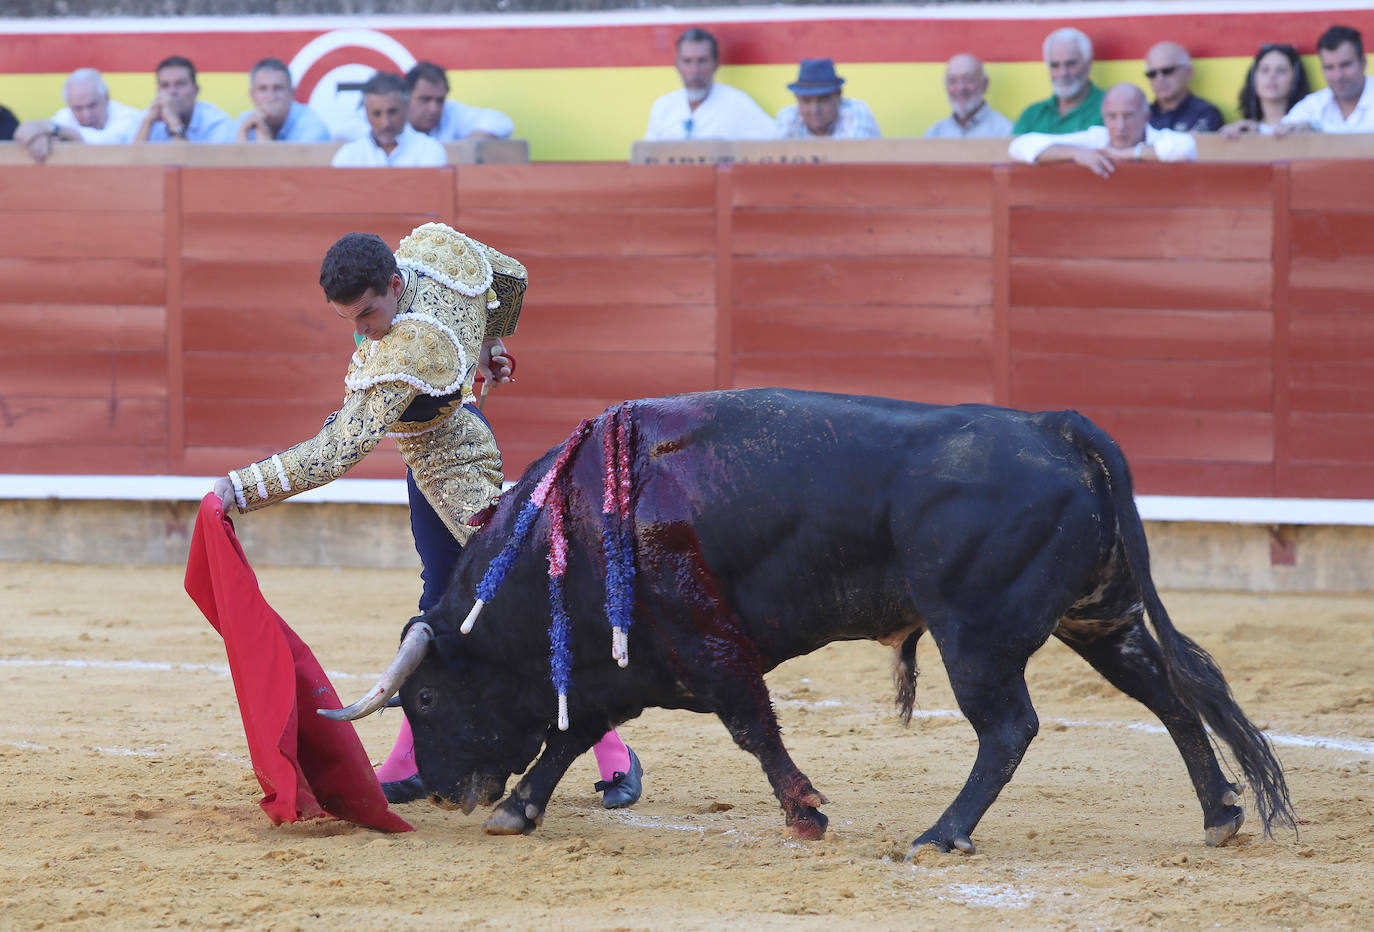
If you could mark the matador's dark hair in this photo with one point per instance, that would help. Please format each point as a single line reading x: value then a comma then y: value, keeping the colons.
x: 356, y: 263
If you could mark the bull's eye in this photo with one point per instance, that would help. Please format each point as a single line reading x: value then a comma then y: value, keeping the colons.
x: 427, y: 700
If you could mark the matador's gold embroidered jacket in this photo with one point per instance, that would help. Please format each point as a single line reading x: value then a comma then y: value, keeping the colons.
x: 412, y: 383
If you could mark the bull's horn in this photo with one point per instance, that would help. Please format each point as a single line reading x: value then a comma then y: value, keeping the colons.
x: 408, y: 657
x: 471, y: 620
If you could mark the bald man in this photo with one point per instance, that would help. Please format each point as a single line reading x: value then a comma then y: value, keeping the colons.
x: 966, y: 84
x: 1126, y: 136
x: 1169, y: 69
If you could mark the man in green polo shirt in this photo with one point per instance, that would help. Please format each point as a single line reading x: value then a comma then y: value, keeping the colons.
x: 1077, y: 102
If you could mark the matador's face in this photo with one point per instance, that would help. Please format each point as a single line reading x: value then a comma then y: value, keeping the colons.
x: 372, y: 313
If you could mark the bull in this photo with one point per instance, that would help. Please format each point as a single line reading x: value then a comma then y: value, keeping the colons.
x: 768, y: 523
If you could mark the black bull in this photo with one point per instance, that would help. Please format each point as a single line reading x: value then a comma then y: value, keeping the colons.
x: 769, y: 523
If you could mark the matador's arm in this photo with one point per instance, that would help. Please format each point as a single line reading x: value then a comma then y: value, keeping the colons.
x: 348, y: 435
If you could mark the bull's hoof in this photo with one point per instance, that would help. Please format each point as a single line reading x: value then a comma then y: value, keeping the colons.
x: 1219, y: 834
x: 512, y: 819
x: 940, y: 842
x: 809, y: 825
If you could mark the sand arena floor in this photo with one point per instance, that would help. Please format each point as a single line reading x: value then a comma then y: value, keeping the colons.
x: 129, y: 803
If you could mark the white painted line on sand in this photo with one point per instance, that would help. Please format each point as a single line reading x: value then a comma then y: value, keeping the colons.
x: 222, y: 670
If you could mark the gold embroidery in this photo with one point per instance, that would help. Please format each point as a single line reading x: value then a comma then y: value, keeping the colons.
x: 348, y: 435
x: 457, y: 467
x: 508, y: 282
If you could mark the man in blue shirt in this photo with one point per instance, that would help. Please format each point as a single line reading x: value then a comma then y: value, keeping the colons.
x: 276, y: 116
x: 175, y: 113
x: 1169, y: 69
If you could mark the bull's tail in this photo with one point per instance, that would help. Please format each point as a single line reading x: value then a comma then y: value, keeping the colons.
x: 1192, y: 672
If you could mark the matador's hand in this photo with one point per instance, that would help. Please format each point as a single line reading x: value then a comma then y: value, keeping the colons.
x: 225, y: 490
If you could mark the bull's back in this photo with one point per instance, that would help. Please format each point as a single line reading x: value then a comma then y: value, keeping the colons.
x: 839, y: 517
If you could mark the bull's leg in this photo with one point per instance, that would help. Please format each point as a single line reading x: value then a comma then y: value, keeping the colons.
x: 521, y: 812
x: 748, y: 713
x: 1131, y: 660
x: 726, y: 673
x: 991, y: 692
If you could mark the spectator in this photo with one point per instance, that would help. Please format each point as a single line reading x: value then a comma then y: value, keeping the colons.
x: 175, y: 113
x: 434, y: 115
x: 821, y: 110
x: 1346, y: 104
x: 275, y: 116
x: 90, y: 116
x: 1126, y: 135
x: 966, y: 84
x: 1275, y: 82
x: 8, y: 124
x: 701, y: 108
x: 1169, y: 69
x: 391, y: 141
x: 1076, y: 103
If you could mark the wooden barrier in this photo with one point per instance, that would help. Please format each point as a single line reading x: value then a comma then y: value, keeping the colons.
x: 1211, y: 147
x: 239, y: 155
x: 1215, y: 318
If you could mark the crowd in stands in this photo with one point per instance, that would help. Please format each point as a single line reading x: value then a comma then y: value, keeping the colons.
x: 407, y: 117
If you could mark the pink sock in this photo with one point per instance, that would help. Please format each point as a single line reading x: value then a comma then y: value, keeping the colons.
x: 400, y: 763
x: 611, y: 755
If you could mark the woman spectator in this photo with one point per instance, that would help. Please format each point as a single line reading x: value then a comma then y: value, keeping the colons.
x: 1275, y: 82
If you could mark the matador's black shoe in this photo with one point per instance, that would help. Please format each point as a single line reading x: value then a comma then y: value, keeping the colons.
x: 623, y: 789
x: 404, y: 791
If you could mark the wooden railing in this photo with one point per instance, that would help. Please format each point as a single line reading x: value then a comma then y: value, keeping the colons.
x: 1216, y: 319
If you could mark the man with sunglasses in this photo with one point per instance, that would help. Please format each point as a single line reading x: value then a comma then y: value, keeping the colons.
x: 1169, y: 69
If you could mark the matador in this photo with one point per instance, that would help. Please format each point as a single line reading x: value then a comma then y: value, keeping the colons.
x: 428, y: 317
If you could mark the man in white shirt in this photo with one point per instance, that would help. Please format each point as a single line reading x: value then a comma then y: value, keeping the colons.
x: 1346, y: 104
x: 821, y: 111
x: 175, y: 113
x: 432, y: 113
x: 1128, y: 135
x: 391, y: 142
x: 276, y: 116
x: 90, y: 117
x: 966, y: 87
x: 702, y: 108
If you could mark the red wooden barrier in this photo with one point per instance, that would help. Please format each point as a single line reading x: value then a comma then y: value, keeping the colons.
x: 1215, y: 318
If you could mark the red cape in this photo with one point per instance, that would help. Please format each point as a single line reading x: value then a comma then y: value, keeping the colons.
x: 306, y: 764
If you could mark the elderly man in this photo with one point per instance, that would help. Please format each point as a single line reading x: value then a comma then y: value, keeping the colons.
x: 1346, y: 104
x: 1169, y: 69
x: 90, y: 116
x: 390, y: 141
x: 432, y: 113
x: 1076, y: 103
x: 703, y: 108
x: 276, y: 116
x: 1126, y: 135
x: 966, y: 86
x: 175, y: 113
x: 821, y: 110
